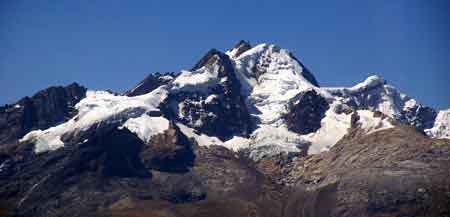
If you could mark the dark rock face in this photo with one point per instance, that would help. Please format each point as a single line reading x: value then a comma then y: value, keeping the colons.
x: 116, y: 154
x: 41, y: 111
x: 150, y: 83
x: 114, y: 174
x: 169, y: 152
x: 110, y: 162
x: 208, y: 59
x: 422, y: 117
x: 305, y: 112
x: 224, y: 114
x: 73, y: 175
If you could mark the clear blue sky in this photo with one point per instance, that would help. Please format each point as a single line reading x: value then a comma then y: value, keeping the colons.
x: 113, y: 45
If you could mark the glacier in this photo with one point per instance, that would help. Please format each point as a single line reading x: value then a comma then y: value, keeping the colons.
x: 103, y: 108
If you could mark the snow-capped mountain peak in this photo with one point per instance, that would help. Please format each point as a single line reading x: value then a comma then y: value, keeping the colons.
x: 183, y: 141
x: 269, y: 76
x: 370, y: 83
x: 260, y: 99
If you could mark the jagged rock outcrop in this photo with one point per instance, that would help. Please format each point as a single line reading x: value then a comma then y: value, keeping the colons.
x: 305, y: 111
x: 150, y: 83
x: 216, y: 107
x: 421, y: 117
x: 170, y: 151
x: 377, y: 95
x: 372, y: 94
x: 213, y: 57
x: 239, y: 48
x: 41, y: 111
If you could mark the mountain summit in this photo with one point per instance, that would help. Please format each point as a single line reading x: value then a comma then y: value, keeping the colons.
x: 261, y: 96
x: 237, y: 131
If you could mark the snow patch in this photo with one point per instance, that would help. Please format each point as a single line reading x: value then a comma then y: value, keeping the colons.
x: 166, y: 77
x: 370, y: 82
x: 210, y: 98
x: 232, y: 53
x: 49, y: 139
x: 441, y: 128
x: 265, y: 141
x: 335, y: 125
x: 268, y: 141
x: 145, y: 127
x: 201, y: 139
x: 237, y: 143
x: 371, y: 124
x: 332, y: 128
x: 410, y: 104
x: 2, y: 165
x: 199, y: 80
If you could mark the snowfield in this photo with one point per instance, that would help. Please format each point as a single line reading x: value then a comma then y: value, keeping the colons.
x: 371, y: 124
x: 374, y: 94
x: 199, y: 80
x: 101, y: 107
x: 145, y: 127
x: 270, y: 77
x: 333, y: 127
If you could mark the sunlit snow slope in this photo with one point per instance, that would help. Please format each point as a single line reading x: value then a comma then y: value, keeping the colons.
x: 101, y: 108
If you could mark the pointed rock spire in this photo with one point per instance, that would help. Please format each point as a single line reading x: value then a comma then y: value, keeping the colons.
x: 150, y: 83
x: 240, y: 48
x: 207, y: 58
x: 215, y: 57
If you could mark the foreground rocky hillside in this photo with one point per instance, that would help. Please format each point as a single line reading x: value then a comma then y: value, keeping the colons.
x: 247, y: 132
x: 396, y: 172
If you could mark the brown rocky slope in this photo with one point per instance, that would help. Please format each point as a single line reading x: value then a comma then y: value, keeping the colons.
x: 394, y: 172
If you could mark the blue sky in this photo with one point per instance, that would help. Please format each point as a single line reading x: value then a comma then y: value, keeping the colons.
x: 114, y: 44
